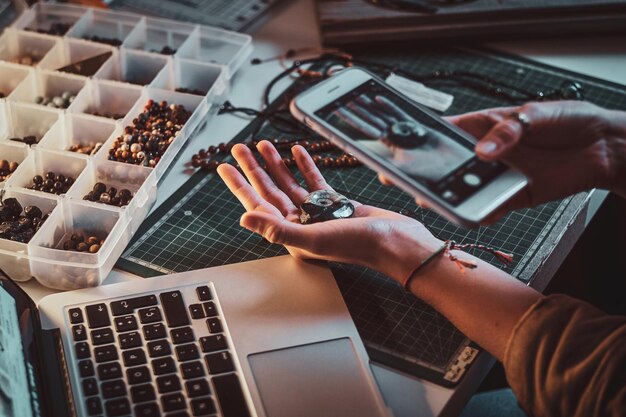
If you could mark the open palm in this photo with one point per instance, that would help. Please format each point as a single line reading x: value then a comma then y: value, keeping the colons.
x: 383, y: 240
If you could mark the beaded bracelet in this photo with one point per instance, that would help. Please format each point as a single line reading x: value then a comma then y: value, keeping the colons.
x: 445, y: 249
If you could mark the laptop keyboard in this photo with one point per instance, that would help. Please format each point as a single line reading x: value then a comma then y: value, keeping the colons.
x: 144, y: 356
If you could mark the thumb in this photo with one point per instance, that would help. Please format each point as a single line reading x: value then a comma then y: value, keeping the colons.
x: 277, y: 230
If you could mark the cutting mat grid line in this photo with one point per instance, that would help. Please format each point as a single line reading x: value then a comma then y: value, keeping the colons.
x: 201, y: 229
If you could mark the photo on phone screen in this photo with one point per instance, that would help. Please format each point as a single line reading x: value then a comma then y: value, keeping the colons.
x: 421, y: 146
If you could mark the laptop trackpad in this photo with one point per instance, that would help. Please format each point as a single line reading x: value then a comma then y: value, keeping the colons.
x: 320, y: 379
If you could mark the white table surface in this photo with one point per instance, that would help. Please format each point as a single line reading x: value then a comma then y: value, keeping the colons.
x: 293, y: 26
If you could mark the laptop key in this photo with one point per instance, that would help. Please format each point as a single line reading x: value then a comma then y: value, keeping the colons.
x: 214, y: 325
x: 154, y: 331
x: 197, y: 388
x: 79, y: 333
x: 210, y: 310
x: 182, y: 335
x: 219, y: 362
x: 138, y: 375
x: 125, y: 323
x: 117, y: 407
x: 94, y: 406
x: 82, y: 350
x: 204, y: 293
x: 112, y: 389
x: 163, y: 366
x: 174, y: 308
x: 141, y: 393
x: 192, y: 369
x: 202, y: 407
x: 213, y: 343
x: 179, y: 414
x: 172, y: 402
x: 129, y: 340
x: 90, y: 387
x: 134, y: 357
x: 230, y: 396
x: 147, y: 410
x: 122, y: 307
x: 102, y: 336
x: 109, y: 371
x: 159, y: 348
x: 105, y: 353
x: 168, y: 383
x: 196, y: 311
x: 98, y: 315
x: 187, y: 352
x: 85, y: 368
x: 150, y: 315
x: 76, y: 315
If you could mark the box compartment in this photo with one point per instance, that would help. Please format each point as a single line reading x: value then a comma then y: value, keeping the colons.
x: 48, y: 84
x: 192, y: 77
x: 12, y: 152
x: 43, y: 17
x: 107, y: 99
x: 12, y: 76
x: 30, y: 120
x: 17, y: 45
x: 134, y: 67
x: 63, y: 269
x: 138, y: 180
x: 78, y: 130
x: 72, y: 51
x: 217, y: 46
x: 154, y: 35
x: 13, y: 255
x: 106, y: 27
x: 41, y: 161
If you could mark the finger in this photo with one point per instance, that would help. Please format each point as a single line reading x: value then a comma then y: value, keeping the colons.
x: 281, y: 175
x: 261, y: 181
x: 244, y: 192
x: 312, y: 176
x: 384, y: 180
x: 280, y: 231
x: 500, y: 140
x: 480, y: 122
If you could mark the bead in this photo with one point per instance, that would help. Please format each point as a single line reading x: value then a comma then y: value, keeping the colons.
x: 94, y: 248
x: 104, y: 198
x: 82, y: 247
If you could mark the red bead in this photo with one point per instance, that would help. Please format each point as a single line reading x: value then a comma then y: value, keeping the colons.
x: 202, y: 153
x: 212, y: 150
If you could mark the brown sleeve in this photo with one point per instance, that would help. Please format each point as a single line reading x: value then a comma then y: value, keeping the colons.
x: 567, y: 358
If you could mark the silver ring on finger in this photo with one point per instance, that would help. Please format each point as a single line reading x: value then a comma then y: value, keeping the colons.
x: 522, y: 119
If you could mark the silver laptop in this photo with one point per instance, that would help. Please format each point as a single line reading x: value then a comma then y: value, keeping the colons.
x: 263, y: 338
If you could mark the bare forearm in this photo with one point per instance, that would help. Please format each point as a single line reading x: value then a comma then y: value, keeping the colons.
x: 484, y: 303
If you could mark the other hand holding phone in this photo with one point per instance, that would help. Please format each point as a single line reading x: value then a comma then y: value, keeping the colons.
x: 418, y: 150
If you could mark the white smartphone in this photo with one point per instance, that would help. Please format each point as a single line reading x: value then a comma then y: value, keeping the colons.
x: 421, y: 152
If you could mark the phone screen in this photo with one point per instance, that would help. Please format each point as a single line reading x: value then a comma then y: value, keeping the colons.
x: 421, y: 146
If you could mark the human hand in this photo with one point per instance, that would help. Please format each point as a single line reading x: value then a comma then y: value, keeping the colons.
x: 567, y: 147
x: 379, y: 239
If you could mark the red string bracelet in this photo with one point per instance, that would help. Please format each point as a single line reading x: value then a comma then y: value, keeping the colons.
x: 445, y: 249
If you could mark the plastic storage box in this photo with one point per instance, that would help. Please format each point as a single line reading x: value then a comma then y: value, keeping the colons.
x: 146, y: 59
